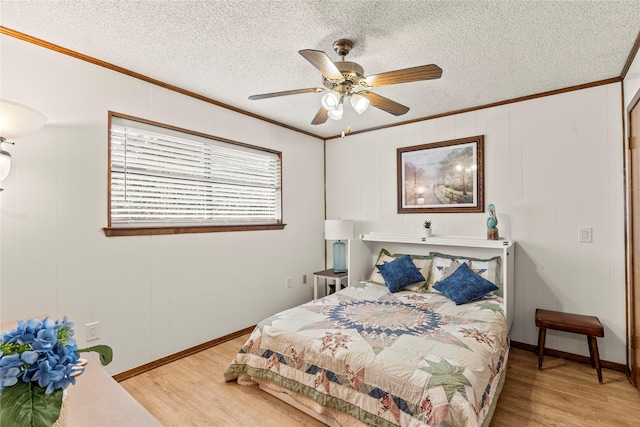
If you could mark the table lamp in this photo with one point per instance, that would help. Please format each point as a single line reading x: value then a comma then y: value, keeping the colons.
x: 339, y: 229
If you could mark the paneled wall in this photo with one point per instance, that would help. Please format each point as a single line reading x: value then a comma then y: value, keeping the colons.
x: 155, y: 295
x: 552, y: 165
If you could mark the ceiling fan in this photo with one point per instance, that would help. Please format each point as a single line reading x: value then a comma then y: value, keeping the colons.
x: 342, y: 78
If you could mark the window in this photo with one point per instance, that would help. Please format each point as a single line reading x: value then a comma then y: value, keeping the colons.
x: 164, y: 180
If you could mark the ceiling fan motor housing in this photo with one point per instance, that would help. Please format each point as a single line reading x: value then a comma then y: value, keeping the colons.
x: 353, y: 76
x: 342, y: 47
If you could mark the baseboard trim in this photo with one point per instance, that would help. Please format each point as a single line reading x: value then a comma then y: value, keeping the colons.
x: 177, y: 356
x: 570, y: 356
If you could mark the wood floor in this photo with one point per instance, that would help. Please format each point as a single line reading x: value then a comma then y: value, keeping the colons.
x: 192, y: 392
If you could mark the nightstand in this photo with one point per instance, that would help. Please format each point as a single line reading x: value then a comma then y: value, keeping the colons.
x: 328, y: 275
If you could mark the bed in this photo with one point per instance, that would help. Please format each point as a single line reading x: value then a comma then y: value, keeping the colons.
x: 372, y: 354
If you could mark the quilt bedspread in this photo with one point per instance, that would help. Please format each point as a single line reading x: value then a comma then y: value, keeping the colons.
x: 404, y: 358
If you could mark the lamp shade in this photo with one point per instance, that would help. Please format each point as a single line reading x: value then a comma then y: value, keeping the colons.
x: 359, y: 103
x: 338, y: 229
x: 331, y: 100
x: 18, y: 120
x: 336, y: 113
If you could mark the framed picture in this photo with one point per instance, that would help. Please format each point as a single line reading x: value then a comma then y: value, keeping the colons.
x: 445, y: 176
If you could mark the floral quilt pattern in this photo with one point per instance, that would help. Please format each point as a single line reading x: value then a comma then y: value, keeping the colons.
x: 407, y: 358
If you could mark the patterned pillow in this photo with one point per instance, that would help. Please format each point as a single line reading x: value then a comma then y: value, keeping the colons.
x: 464, y: 285
x: 447, y: 271
x: 400, y: 273
x: 383, y: 257
x: 444, y: 264
x: 422, y: 263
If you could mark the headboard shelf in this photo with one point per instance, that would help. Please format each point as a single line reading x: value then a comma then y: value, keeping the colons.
x: 436, y: 240
x: 365, y: 249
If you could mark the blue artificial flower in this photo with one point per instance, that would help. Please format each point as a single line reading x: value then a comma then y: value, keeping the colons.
x: 67, y: 354
x: 26, y: 331
x: 46, y: 375
x: 66, y: 380
x: 41, y: 351
x: 8, y: 377
x: 17, y: 336
x: 48, y: 323
x: 65, y: 322
x: 29, y: 357
x: 11, y: 361
x: 45, y: 340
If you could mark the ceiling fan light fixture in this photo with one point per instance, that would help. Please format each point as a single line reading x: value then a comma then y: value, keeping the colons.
x: 341, y: 78
x: 359, y: 103
x: 336, y: 113
x: 331, y: 100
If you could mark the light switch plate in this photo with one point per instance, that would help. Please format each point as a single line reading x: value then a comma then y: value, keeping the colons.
x: 585, y: 235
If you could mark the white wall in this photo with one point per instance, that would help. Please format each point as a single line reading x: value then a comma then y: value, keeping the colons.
x: 153, y: 295
x: 551, y: 165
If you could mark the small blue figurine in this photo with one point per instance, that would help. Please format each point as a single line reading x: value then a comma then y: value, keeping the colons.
x: 492, y: 223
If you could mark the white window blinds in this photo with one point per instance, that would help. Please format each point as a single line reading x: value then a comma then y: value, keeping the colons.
x: 161, y: 176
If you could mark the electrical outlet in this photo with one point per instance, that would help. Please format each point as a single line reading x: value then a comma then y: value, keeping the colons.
x: 287, y: 282
x: 304, y: 279
x: 93, y: 331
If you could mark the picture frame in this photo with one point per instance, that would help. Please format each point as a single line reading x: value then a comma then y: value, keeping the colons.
x: 442, y: 177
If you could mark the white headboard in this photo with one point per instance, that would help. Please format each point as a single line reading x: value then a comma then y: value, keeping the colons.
x: 365, y: 249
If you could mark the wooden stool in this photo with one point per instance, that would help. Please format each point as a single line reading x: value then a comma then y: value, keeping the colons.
x: 576, y: 323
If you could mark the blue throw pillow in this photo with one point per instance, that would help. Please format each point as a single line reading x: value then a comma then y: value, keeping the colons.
x: 464, y: 285
x: 399, y: 273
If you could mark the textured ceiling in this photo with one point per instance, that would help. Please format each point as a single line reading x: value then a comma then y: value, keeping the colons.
x: 489, y: 51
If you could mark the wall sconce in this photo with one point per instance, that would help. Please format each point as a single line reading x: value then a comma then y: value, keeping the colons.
x: 338, y: 229
x: 16, y: 121
x: 5, y: 163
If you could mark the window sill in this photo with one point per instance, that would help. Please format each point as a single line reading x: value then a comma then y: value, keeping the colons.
x: 152, y: 231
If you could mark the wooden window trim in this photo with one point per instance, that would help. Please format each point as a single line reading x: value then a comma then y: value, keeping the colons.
x: 111, y: 231
x: 151, y: 231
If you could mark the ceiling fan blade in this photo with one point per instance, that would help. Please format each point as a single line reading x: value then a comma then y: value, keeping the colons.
x: 286, y: 92
x: 321, y: 116
x: 414, y: 74
x: 385, y: 104
x: 321, y: 61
